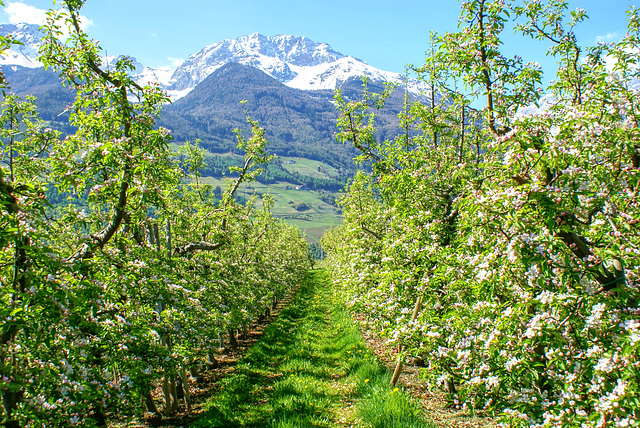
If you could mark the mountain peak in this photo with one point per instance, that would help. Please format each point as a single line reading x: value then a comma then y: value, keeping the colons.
x: 25, y: 54
x: 296, y: 61
x: 295, y: 50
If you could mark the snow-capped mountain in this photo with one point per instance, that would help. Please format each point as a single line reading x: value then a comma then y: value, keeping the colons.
x: 141, y: 73
x: 24, y: 55
x: 296, y: 61
x: 276, y: 56
x: 287, y: 81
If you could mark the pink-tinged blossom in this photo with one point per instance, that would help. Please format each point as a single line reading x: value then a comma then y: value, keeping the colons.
x: 595, y: 319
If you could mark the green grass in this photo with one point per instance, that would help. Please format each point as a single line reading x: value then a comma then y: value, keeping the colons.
x: 320, y: 216
x: 310, y: 369
x: 309, y: 167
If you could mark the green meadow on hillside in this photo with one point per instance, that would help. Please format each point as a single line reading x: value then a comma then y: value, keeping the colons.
x: 304, y: 208
x: 300, y: 205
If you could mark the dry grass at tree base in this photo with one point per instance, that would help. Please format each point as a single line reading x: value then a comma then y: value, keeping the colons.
x: 433, y: 403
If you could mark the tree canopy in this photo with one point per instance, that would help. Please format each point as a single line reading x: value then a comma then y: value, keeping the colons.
x: 104, y: 299
x: 508, y: 227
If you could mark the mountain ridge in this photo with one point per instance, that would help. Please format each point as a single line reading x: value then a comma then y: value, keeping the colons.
x: 25, y: 54
x: 296, y: 61
x: 298, y: 122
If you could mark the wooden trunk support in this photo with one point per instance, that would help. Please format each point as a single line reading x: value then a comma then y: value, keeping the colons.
x: 399, y: 365
x: 185, y: 387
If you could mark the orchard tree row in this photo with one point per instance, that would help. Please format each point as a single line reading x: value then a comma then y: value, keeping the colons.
x: 101, y: 306
x: 498, y: 236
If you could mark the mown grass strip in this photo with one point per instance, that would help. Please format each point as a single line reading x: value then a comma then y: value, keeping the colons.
x: 311, y: 369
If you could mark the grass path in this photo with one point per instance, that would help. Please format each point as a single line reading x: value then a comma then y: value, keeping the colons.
x: 310, y: 369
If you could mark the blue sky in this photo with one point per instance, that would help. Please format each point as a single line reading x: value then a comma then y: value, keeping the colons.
x: 386, y: 34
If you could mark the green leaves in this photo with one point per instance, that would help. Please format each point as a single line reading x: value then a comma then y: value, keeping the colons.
x: 115, y: 273
x: 356, y: 123
x: 518, y: 230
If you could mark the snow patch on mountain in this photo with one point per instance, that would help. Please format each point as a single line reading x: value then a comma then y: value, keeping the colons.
x: 141, y: 74
x: 296, y: 61
x: 276, y: 56
x: 332, y: 75
x: 26, y: 54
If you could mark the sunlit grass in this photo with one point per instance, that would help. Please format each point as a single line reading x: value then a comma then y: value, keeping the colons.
x: 310, y: 369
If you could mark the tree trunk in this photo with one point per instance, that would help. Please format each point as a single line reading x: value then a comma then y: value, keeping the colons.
x: 170, y: 392
x: 10, y: 400
x: 151, y: 405
x: 399, y: 365
x: 185, y: 388
x: 232, y: 338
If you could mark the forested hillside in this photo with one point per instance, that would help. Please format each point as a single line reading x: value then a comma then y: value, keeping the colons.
x: 298, y: 123
x: 275, y: 171
x: 52, y: 98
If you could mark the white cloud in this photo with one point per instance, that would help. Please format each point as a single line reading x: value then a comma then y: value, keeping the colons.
x: 85, y: 22
x: 19, y: 12
x: 607, y: 38
x: 175, y: 62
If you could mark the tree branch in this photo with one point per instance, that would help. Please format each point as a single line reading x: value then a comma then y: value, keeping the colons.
x: 198, y: 246
x: 371, y: 232
x: 94, y: 67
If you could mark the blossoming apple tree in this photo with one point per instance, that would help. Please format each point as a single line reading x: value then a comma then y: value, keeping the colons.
x: 515, y: 228
x: 124, y: 287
